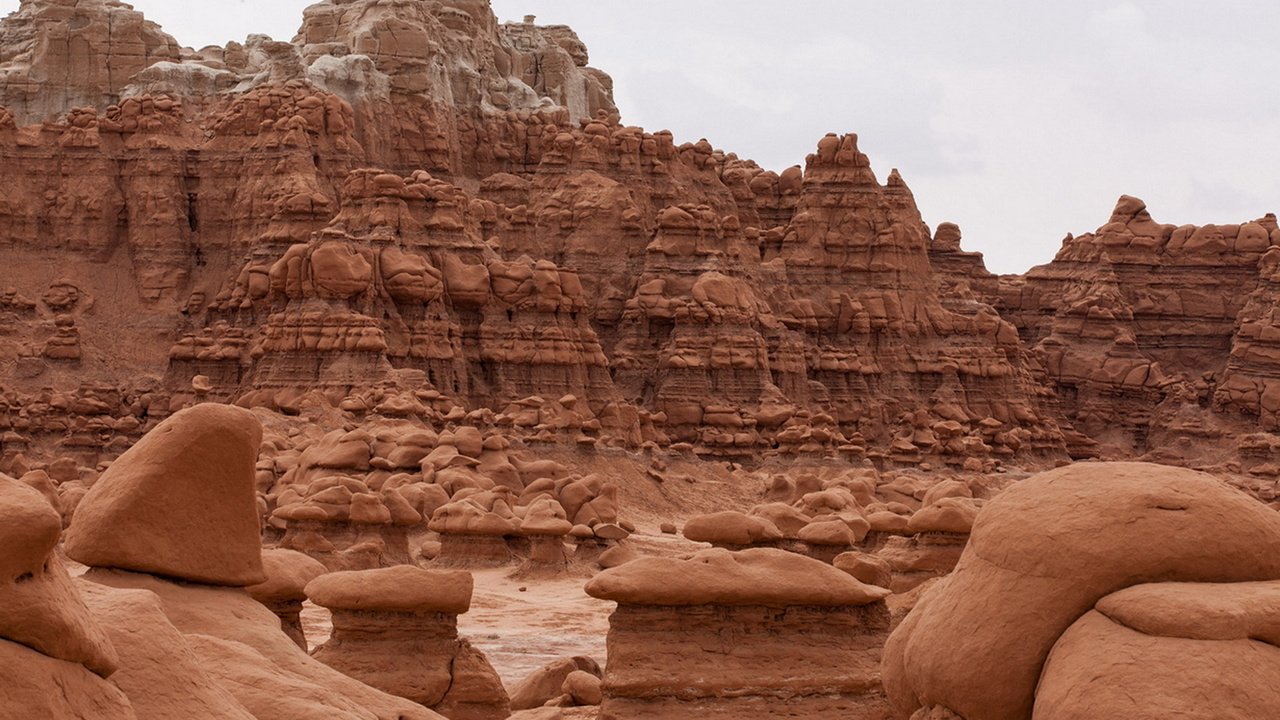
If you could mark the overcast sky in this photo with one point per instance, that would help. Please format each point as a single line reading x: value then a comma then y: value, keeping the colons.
x: 1021, y: 121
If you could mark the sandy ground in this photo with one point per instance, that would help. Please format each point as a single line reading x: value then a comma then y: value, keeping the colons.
x: 523, y: 623
x: 521, y: 631
x: 520, y: 624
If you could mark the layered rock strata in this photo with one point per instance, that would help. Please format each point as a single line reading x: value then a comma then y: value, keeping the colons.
x: 397, y: 630
x: 523, y: 245
x: 702, y: 636
x: 1139, y: 325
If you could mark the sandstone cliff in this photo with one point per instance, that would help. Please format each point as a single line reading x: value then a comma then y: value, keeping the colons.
x: 411, y: 207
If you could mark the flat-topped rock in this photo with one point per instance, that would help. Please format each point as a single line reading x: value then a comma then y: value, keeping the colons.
x: 400, y: 589
x: 1199, y: 611
x: 288, y: 572
x: 181, y: 503
x: 756, y: 577
x: 755, y: 633
x: 732, y: 528
x: 397, y: 630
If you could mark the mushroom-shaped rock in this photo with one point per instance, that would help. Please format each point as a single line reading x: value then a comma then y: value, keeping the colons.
x: 181, y: 503
x: 545, y: 516
x: 288, y: 573
x: 949, y: 515
x: 473, y: 531
x: 731, y: 529
x: 827, y: 538
x: 763, y: 577
x: 1043, y: 553
x: 545, y: 526
x: 755, y: 633
x: 237, y: 641
x: 402, y: 589
x: 397, y: 630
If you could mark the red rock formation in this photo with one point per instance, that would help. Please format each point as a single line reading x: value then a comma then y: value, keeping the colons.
x: 1135, y: 326
x: 209, y: 228
x: 61, y: 54
x: 1249, y: 384
x: 1113, y: 526
x: 964, y: 274
x: 547, y: 684
x: 208, y: 649
x: 157, y: 507
x: 805, y: 638
x: 41, y: 609
x: 288, y: 573
x: 397, y: 630
x: 1210, y: 645
x: 583, y: 257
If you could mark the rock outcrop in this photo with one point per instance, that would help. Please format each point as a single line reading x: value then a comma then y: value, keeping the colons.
x: 553, y: 684
x: 1225, y: 628
x: 1141, y: 326
x: 521, y: 245
x: 284, y: 592
x: 55, y: 56
x: 191, y: 641
x: 397, y: 630
x: 180, y: 504
x: 406, y: 292
x: 757, y: 632
x: 54, y: 655
x: 1066, y: 558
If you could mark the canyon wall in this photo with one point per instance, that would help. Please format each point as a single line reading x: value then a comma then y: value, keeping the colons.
x: 412, y: 204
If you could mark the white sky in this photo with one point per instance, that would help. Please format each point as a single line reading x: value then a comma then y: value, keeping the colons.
x: 1021, y: 121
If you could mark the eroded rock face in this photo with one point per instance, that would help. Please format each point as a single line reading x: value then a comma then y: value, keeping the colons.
x: 1247, y: 387
x: 55, y: 656
x: 787, y: 634
x: 397, y: 630
x: 1229, y: 627
x: 159, y: 672
x: 44, y: 688
x: 181, y: 503
x: 60, y: 54
x: 547, y: 685
x: 1232, y: 674
x: 193, y: 643
x: 1052, y: 548
x: 522, y: 244
x: 239, y: 645
x: 1144, y: 330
